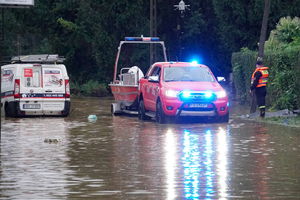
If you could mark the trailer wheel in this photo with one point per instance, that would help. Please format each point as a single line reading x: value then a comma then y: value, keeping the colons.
x: 115, y: 109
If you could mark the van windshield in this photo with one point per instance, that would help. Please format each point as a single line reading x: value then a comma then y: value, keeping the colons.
x: 199, y: 74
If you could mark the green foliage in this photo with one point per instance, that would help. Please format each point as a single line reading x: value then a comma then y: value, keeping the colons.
x: 243, y: 64
x: 284, y: 70
x: 90, y: 88
x: 286, y: 34
x: 70, y: 26
x: 87, y: 32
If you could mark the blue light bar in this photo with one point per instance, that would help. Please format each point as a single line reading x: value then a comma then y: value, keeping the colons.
x: 186, y: 94
x: 194, y: 62
x: 208, y: 94
x: 141, y: 38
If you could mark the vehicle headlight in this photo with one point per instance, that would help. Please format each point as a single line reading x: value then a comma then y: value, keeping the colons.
x: 221, y: 94
x: 171, y: 93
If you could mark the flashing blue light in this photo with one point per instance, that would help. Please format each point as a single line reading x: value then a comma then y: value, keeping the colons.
x: 194, y: 62
x: 186, y: 94
x: 208, y: 94
x: 141, y: 38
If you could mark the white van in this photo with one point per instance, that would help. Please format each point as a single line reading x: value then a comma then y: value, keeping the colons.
x: 35, y: 85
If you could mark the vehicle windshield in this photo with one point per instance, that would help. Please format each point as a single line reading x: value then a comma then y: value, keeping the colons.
x: 199, y: 74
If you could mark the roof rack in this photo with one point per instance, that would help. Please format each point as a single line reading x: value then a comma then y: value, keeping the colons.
x: 42, y: 58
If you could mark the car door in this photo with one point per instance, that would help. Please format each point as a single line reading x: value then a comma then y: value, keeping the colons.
x: 151, y: 88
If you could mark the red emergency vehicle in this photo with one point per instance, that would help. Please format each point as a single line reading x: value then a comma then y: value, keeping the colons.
x: 175, y: 89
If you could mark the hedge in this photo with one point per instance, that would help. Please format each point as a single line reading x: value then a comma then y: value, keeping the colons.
x: 284, y: 81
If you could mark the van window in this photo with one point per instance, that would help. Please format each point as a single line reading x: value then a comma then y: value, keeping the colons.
x: 53, y: 78
x: 32, y: 77
x: 7, y: 75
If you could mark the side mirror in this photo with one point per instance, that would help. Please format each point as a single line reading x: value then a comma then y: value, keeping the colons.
x: 221, y: 79
x: 154, y: 79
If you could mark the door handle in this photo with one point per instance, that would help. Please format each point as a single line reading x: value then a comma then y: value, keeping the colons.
x: 48, y: 91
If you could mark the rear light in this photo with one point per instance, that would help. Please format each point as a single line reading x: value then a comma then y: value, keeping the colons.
x: 17, y: 88
x: 67, y: 85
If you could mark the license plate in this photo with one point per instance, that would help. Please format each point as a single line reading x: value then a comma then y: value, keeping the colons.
x: 31, y: 106
x: 198, y: 105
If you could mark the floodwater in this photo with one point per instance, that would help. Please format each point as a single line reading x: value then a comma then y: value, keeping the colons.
x: 120, y: 157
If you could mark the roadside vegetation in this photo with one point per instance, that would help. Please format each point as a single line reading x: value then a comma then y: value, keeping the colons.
x: 91, y: 88
x: 282, y: 56
x: 87, y: 33
x: 286, y: 121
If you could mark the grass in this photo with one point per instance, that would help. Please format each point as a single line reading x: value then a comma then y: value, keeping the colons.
x: 287, y: 121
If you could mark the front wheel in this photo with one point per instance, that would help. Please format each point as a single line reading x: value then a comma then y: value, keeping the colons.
x: 224, y: 119
x: 142, y: 111
x: 160, y: 115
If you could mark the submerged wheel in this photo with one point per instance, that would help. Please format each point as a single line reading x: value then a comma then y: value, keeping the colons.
x: 142, y: 111
x: 6, y: 110
x: 160, y: 115
x: 12, y: 109
x: 224, y: 119
x: 114, y: 109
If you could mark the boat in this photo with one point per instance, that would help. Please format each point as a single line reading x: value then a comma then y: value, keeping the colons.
x: 124, y: 86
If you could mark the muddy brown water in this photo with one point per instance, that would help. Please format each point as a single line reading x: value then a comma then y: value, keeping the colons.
x: 120, y: 157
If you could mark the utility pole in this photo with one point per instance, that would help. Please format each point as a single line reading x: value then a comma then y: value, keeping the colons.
x: 181, y: 7
x: 261, y: 46
x: 153, y: 29
x: 264, y: 28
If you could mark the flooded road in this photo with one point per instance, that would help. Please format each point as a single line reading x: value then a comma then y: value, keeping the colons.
x: 120, y: 157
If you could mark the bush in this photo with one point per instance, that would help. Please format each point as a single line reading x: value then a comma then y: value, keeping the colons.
x: 284, y: 79
x: 243, y: 65
x: 90, y: 88
x: 282, y: 56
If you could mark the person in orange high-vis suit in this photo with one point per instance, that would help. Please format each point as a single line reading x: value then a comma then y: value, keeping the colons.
x: 259, y: 80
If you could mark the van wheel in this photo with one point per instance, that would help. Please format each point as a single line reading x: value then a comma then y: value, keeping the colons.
x: 6, y: 110
x: 142, y: 111
x: 160, y: 115
x: 66, y: 110
x: 11, y: 109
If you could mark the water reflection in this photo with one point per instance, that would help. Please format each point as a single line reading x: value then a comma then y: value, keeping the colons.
x: 121, y: 157
x: 222, y: 163
x: 170, y: 163
x: 28, y: 169
x: 203, y: 162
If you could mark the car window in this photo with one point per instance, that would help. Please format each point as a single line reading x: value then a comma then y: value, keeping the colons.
x: 200, y: 74
x: 155, y: 71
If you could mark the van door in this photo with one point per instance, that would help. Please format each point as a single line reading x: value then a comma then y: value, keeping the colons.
x: 31, y: 88
x: 54, y: 88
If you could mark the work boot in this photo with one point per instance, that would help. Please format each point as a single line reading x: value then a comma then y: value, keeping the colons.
x: 262, y: 112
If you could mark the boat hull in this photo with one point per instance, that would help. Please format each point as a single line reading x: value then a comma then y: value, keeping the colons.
x: 126, y: 95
